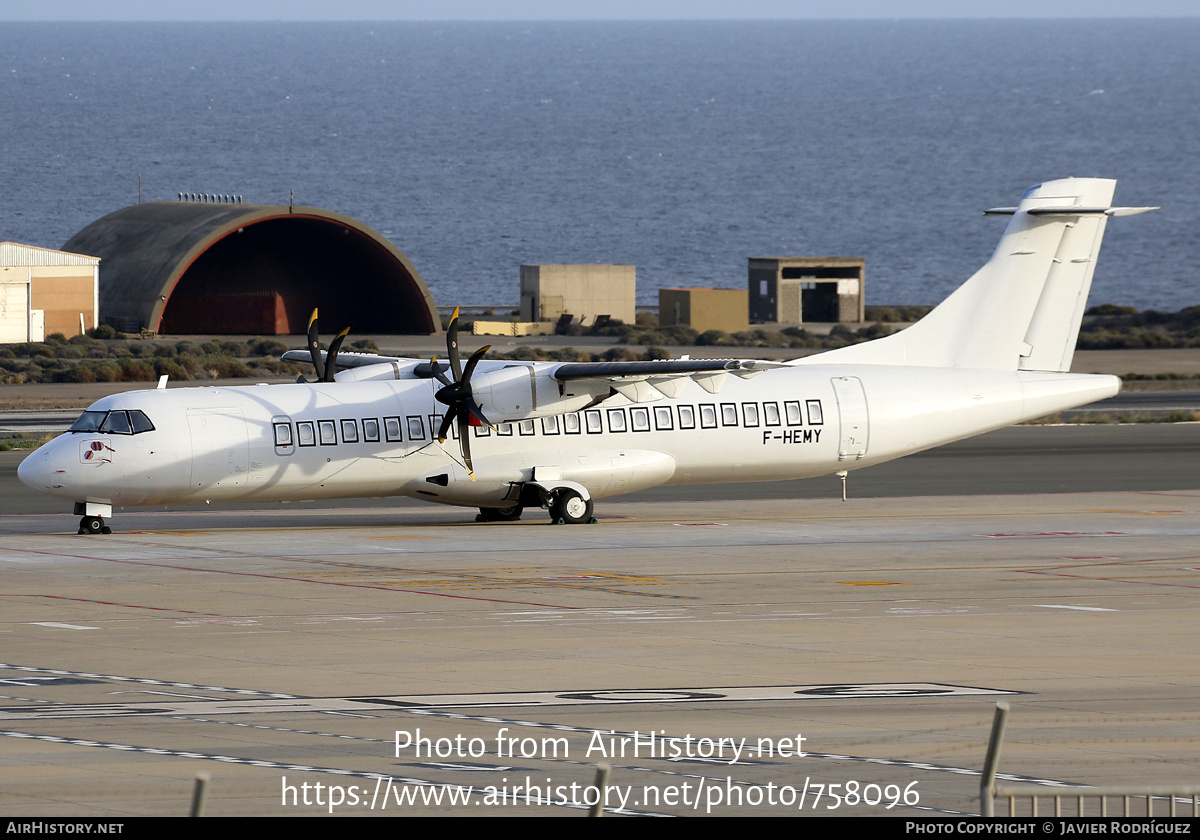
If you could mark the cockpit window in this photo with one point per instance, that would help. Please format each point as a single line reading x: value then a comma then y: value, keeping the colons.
x: 89, y: 421
x: 117, y: 423
x: 141, y: 423
x: 113, y: 422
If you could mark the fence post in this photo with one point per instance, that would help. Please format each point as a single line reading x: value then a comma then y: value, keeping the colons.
x: 987, y: 782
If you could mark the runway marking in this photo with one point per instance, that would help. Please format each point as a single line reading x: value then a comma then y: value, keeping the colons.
x: 143, y: 681
x: 1069, y: 607
x: 63, y: 626
x: 1062, y: 534
x: 1142, y: 512
x: 402, y: 537
x: 111, y: 604
x: 538, y: 699
x: 38, y: 682
x: 870, y: 583
x: 687, y: 695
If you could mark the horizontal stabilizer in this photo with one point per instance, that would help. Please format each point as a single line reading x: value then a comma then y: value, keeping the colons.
x: 1022, y: 310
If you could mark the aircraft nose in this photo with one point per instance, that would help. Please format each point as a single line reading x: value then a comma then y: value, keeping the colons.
x: 40, y: 472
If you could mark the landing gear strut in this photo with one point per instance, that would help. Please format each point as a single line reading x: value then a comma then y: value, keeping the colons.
x: 93, y: 525
x: 504, y: 514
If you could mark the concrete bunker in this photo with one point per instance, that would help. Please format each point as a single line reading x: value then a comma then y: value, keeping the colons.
x: 187, y: 268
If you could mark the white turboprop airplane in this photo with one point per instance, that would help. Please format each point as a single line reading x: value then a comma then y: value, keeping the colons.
x: 502, y: 436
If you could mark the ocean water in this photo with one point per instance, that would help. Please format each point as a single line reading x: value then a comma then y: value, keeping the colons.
x: 682, y: 148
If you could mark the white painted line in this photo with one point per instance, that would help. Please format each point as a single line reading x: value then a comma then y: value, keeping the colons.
x: 63, y: 626
x: 1069, y: 607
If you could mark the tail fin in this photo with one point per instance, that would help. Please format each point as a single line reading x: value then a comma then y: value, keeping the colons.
x: 1022, y: 310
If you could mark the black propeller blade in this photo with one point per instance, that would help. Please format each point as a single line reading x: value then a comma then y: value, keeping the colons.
x: 325, y: 367
x: 456, y: 394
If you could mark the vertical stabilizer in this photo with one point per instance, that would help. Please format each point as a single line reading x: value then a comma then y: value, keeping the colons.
x: 1022, y: 310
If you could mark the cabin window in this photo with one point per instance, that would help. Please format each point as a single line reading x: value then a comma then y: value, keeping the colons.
x: 306, y: 433
x: 391, y: 428
x: 639, y: 419
x: 283, y: 434
x: 549, y: 425
x: 815, y: 415
x: 663, y: 419
x: 708, y: 417
x: 594, y: 426
x: 771, y: 413
x: 504, y: 430
x: 416, y: 427
x: 328, y: 432
x: 750, y: 414
x: 526, y: 427
x: 349, y: 431
x: 794, y: 418
x: 687, y: 417
x: 371, y: 430
x: 728, y: 414
x: 571, y: 425
x: 616, y: 419
x: 482, y: 431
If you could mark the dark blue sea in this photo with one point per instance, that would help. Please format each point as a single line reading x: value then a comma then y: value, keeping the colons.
x: 682, y: 148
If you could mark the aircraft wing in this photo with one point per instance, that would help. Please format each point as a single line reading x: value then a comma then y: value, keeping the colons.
x: 545, y: 385
x: 347, y: 359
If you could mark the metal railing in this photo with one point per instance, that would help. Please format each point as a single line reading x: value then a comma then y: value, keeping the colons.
x: 1127, y: 797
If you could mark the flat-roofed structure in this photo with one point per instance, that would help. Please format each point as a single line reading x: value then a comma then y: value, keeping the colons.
x: 704, y: 309
x: 585, y: 291
x: 191, y: 267
x: 805, y: 290
x: 46, y: 292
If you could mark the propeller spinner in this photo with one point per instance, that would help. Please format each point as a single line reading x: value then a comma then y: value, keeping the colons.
x: 456, y: 394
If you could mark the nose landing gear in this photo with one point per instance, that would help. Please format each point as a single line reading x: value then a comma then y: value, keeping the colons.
x: 93, y: 525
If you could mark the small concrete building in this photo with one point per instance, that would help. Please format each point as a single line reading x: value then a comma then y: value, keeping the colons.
x: 585, y: 291
x: 805, y: 290
x: 704, y: 309
x: 45, y: 292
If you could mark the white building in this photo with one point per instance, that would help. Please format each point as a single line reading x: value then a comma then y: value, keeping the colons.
x: 43, y: 291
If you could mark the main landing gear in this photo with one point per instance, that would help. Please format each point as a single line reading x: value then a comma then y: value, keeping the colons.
x: 568, y: 507
x: 93, y: 525
x: 504, y: 514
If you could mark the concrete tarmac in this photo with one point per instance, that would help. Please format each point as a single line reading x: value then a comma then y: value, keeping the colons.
x: 281, y: 649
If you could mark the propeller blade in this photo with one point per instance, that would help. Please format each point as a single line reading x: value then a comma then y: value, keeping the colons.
x: 447, y: 421
x: 437, y: 372
x: 456, y: 394
x: 452, y: 346
x: 331, y: 355
x: 464, y: 437
x: 314, y: 347
x: 471, y: 362
x: 477, y: 412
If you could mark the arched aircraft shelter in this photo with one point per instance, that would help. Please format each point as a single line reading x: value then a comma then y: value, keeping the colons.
x: 188, y: 267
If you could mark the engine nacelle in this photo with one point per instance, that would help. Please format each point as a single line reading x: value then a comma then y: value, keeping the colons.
x: 525, y: 392
x: 377, y: 372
